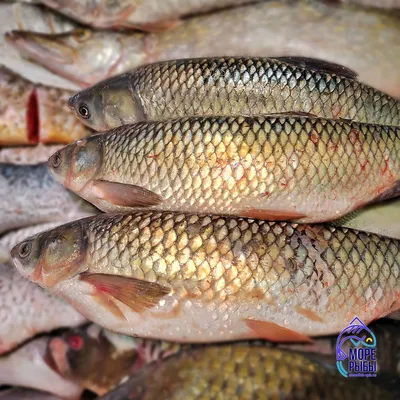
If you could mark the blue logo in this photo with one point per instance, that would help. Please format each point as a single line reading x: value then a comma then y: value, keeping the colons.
x: 356, y: 351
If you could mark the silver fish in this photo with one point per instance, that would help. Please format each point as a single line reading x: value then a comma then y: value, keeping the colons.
x: 30, y: 195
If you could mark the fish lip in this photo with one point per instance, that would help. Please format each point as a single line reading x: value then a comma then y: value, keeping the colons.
x: 30, y: 45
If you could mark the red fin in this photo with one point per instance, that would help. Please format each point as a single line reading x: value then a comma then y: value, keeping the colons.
x: 275, y: 333
x: 135, y: 293
x: 311, y: 315
x: 154, y: 27
x: 122, y: 194
x: 109, y: 303
x: 271, y: 215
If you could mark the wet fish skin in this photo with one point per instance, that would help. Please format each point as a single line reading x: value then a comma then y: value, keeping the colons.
x: 288, y: 168
x: 26, y: 394
x: 135, y: 14
x: 36, y: 311
x: 230, y: 86
x: 251, y: 371
x: 32, y: 113
x: 83, y: 354
x: 192, y: 278
x: 27, y: 367
x: 374, y: 3
x: 380, y: 218
x: 344, y: 34
x: 30, y: 195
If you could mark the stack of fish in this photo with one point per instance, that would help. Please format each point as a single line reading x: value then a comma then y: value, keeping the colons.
x: 228, y: 185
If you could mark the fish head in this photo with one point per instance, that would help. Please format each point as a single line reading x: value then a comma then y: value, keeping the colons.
x: 50, y: 257
x: 108, y: 104
x: 75, y: 165
x: 82, y: 55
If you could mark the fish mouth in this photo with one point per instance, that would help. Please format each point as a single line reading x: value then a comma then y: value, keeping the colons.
x: 56, y: 356
x: 47, y: 50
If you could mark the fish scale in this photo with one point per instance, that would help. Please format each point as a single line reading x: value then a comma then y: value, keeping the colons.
x: 233, y: 86
x: 216, y: 86
x: 220, y: 272
x: 242, y: 372
x: 280, y: 167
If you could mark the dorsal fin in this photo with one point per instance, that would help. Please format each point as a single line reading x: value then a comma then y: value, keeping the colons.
x: 320, y: 66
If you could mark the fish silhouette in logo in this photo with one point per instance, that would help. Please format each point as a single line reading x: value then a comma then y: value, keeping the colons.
x: 358, y: 333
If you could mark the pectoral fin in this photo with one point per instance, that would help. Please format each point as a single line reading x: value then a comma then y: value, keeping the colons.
x: 139, y: 295
x: 154, y: 27
x: 275, y: 333
x: 122, y: 194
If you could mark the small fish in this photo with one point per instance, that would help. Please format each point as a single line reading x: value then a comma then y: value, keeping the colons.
x: 245, y: 372
x: 83, y: 354
x: 149, y: 15
x: 29, y: 195
x: 191, y: 278
x: 32, y: 113
x: 232, y: 86
x: 352, y: 36
x: 27, y: 367
x: 26, y: 310
x: 381, y: 218
x: 273, y: 168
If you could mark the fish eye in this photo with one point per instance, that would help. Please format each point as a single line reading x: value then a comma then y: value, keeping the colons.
x: 56, y: 160
x: 75, y: 342
x: 25, y: 249
x: 84, y: 111
x: 81, y: 34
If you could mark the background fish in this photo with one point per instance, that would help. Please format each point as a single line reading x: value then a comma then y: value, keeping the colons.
x: 381, y: 218
x: 36, y: 19
x: 352, y: 36
x: 374, y: 3
x: 251, y: 371
x: 32, y: 113
x: 99, y: 360
x: 25, y: 394
x: 203, y: 279
x: 27, y: 367
x: 26, y: 310
x: 30, y: 195
x: 272, y: 168
x: 232, y: 86
x: 136, y: 14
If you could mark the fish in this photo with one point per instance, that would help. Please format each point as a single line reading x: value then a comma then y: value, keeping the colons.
x: 32, y: 113
x: 149, y: 15
x: 232, y: 86
x: 352, y: 36
x: 36, y: 19
x: 29, y: 195
x: 27, y: 367
x: 242, y: 371
x: 83, y: 354
x: 27, y: 310
x: 379, y: 218
x: 28, y: 154
x: 193, y: 278
x: 272, y: 167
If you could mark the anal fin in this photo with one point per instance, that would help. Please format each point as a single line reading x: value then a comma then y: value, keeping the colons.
x: 271, y: 215
x: 275, y: 333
